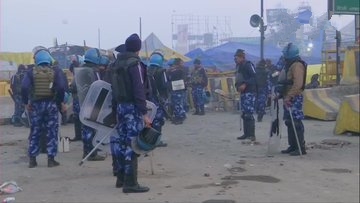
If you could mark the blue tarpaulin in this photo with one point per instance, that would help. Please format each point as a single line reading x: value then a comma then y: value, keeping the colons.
x: 222, y: 56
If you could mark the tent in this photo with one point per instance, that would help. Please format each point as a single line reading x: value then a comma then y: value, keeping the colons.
x: 152, y: 43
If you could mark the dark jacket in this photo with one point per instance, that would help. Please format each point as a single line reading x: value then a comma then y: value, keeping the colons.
x: 246, y: 74
x: 137, y: 74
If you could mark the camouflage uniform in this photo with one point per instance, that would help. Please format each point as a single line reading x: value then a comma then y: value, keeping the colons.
x: 245, y: 78
x: 199, y: 82
x: 44, y: 112
x: 293, y: 78
x: 130, y: 97
x: 177, y: 96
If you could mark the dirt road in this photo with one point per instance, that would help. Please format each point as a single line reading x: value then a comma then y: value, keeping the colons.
x: 203, y: 161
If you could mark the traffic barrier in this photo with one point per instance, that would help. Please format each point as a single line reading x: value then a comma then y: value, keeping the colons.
x: 348, y: 117
x: 319, y: 104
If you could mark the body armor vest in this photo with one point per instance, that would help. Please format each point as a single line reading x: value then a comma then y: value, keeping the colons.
x: 43, y: 82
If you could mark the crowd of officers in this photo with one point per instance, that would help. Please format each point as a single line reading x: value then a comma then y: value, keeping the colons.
x: 41, y: 90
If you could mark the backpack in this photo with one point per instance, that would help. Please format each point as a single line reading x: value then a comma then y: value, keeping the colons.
x: 43, y: 82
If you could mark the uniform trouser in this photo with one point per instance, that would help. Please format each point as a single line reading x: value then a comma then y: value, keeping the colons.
x: 249, y: 125
x: 77, y: 123
x: 19, y: 108
x: 44, y: 115
x: 88, y: 134
x: 159, y: 119
x: 261, y: 103
x: 248, y: 108
x: 299, y: 127
x: 298, y: 115
x: 198, y: 98
x: 177, y: 102
x: 130, y: 124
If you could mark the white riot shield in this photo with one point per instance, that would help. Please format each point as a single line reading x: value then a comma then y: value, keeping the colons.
x: 84, y: 77
x: 96, y: 112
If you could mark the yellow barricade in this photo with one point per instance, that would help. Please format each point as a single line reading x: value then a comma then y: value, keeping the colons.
x: 318, y: 103
x: 348, y: 116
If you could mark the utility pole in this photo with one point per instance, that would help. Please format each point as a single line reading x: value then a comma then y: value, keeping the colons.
x: 140, y: 28
x: 262, y: 30
x: 99, y: 38
x: 338, y: 61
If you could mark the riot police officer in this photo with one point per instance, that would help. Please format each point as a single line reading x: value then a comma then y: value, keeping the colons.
x: 177, y: 78
x: 245, y: 83
x: 292, y: 84
x: 159, y: 90
x: 130, y: 85
x: 45, y: 85
x: 92, y: 60
x: 199, y: 82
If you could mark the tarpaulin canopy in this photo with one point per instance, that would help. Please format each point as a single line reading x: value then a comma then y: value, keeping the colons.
x: 153, y: 43
x: 206, y: 61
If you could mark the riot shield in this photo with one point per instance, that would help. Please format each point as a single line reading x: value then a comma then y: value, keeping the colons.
x: 96, y: 112
x: 84, y: 77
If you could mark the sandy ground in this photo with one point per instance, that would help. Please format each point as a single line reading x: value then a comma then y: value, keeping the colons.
x: 202, y: 162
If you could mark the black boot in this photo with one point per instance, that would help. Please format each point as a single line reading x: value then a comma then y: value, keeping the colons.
x: 288, y: 150
x: 197, y: 111
x: 299, y: 126
x: 250, y: 123
x: 119, y: 179
x: 94, y: 157
x: 202, y: 110
x: 249, y: 127
x: 77, y: 128
x: 130, y: 180
x: 291, y: 138
x: 161, y: 144
x: 245, y: 129
x: 32, y: 162
x: 52, y: 162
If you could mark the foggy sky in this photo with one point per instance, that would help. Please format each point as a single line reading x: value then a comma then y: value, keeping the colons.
x: 25, y: 24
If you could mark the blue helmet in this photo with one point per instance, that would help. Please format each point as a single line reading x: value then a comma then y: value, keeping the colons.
x: 290, y: 51
x: 93, y: 56
x: 104, y: 60
x: 43, y: 57
x: 156, y: 59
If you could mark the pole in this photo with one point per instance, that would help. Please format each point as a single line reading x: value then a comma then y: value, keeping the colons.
x: 140, y: 30
x: 338, y: 62
x: 262, y: 30
x: 99, y: 38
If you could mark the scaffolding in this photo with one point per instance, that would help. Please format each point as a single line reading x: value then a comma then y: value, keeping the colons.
x: 192, y: 31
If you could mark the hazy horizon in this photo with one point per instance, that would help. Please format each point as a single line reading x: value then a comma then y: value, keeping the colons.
x: 26, y: 24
